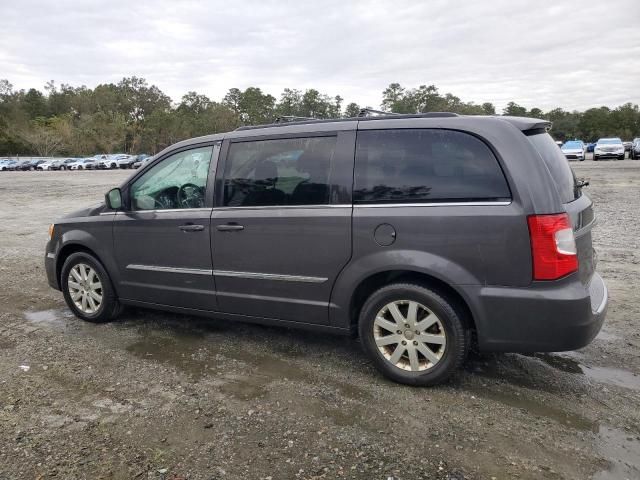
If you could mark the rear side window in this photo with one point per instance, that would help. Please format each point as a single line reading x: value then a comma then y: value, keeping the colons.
x: 426, y: 165
x: 292, y: 171
x: 558, y: 166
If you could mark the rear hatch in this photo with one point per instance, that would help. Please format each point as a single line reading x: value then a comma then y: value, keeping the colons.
x: 576, y: 204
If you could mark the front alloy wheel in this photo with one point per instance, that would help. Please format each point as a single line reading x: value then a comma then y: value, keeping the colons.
x: 87, y: 288
x: 413, y: 334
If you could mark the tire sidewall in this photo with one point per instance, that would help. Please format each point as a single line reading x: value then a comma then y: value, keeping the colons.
x: 109, y: 300
x: 455, y: 334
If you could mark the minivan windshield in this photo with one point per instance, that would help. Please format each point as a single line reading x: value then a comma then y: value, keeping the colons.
x: 563, y: 176
x: 609, y: 141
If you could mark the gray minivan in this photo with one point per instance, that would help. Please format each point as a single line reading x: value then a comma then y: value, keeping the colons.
x: 423, y: 234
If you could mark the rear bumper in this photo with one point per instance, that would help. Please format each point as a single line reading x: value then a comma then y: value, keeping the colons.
x: 546, y: 317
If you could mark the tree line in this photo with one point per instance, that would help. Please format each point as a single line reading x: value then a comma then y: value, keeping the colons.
x: 132, y: 116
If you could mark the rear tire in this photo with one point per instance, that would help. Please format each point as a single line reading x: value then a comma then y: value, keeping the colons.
x: 412, y: 334
x: 79, y: 279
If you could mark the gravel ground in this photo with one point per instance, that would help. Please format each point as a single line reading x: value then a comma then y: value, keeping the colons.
x: 158, y: 395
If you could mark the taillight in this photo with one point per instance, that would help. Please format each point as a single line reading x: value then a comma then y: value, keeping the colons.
x: 553, y: 246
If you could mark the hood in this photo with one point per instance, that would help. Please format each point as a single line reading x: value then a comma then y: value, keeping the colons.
x: 87, y: 212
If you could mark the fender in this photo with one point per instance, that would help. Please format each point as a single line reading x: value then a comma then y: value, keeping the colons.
x: 97, y: 238
x: 417, y: 261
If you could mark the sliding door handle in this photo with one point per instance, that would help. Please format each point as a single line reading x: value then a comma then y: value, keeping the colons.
x: 229, y: 227
x: 191, y: 228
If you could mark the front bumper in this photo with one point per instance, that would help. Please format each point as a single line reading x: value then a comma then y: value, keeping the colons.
x: 50, y: 268
x: 546, y: 317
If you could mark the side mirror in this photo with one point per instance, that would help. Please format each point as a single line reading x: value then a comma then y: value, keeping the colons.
x: 113, y: 199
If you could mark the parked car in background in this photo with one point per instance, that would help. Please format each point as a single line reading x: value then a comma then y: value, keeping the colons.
x: 426, y: 235
x: 30, y: 164
x: 108, y: 162
x: 126, y: 161
x: 574, y: 150
x: 142, y: 161
x: 65, y: 164
x: 608, y: 148
x: 8, y: 165
x: 48, y: 164
x: 634, y: 153
x: 58, y: 164
x: 591, y: 146
x: 83, y: 164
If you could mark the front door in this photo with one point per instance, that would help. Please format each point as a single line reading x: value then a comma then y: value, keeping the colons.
x: 162, y: 242
x: 282, y: 226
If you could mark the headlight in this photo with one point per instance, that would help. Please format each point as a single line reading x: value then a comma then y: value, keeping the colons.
x: 51, y: 228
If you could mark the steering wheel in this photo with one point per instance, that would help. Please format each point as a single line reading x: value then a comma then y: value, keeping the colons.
x: 190, y: 196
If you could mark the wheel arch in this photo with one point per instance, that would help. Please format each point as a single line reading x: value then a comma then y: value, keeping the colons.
x: 378, y: 280
x: 66, y: 251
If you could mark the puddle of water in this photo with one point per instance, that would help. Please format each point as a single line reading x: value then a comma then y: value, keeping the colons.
x: 606, y: 336
x: 608, y: 375
x: 185, y: 353
x: 54, y: 318
x: 613, y: 376
x: 622, y: 450
x: 257, y: 373
x: 535, y: 407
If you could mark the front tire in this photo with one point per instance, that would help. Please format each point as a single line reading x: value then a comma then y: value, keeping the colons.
x: 87, y: 289
x: 412, y: 334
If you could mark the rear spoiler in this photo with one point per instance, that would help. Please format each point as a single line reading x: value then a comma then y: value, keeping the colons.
x: 529, y: 126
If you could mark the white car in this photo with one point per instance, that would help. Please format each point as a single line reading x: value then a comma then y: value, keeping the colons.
x: 106, y: 161
x: 609, y: 148
x: 574, y: 150
x: 83, y: 164
x: 48, y: 165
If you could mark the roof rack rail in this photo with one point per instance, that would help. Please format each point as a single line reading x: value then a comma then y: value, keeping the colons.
x: 378, y: 115
x: 366, y: 112
x: 292, y: 118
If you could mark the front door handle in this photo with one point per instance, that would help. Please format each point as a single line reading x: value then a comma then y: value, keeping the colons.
x: 229, y: 227
x: 191, y: 228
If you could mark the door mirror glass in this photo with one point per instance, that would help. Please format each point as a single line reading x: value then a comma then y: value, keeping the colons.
x: 113, y: 199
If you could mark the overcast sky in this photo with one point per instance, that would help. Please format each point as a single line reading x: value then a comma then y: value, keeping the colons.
x: 573, y: 54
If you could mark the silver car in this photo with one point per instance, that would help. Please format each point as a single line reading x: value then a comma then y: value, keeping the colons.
x: 608, y: 148
x: 574, y: 150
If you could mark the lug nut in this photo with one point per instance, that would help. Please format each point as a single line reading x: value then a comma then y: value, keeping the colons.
x: 415, y: 342
x: 406, y: 325
x: 417, y: 332
x: 399, y: 332
x: 404, y: 342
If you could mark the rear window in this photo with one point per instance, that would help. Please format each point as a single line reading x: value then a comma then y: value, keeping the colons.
x: 558, y: 166
x: 425, y: 165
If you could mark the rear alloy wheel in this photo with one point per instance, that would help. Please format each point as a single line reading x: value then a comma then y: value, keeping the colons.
x: 412, y: 334
x: 87, y: 289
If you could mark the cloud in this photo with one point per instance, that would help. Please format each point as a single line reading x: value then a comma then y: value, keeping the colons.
x: 576, y: 55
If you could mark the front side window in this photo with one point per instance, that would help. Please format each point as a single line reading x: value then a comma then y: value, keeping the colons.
x: 178, y: 181
x: 425, y: 165
x: 292, y: 171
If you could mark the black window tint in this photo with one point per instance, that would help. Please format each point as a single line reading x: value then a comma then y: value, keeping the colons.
x: 292, y: 171
x: 558, y: 166
x: 413, y: 166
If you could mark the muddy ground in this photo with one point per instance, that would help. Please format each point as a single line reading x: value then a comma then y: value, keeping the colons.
x: 158, y: 395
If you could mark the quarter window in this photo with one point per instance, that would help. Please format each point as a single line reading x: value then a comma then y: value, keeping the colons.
x: 178, y: 181
x: 292, y: 171
x: 428, y: 165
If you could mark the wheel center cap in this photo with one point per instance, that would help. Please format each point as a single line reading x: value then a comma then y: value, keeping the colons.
x: 408, y: 334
